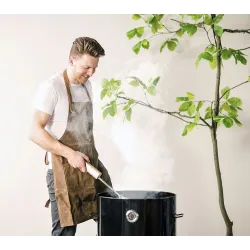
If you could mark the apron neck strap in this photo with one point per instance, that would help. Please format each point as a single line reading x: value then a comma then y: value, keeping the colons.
x: 66, y: 80
x: 86, y: 91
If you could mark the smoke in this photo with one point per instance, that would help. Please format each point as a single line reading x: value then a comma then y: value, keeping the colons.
x: 143, y: 141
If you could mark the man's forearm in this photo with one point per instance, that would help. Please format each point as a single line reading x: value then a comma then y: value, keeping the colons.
x: 43, y: 139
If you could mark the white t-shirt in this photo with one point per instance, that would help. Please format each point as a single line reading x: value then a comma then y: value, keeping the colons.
x: 51, y: 97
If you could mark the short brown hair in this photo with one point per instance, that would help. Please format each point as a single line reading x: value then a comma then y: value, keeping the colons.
x: 86, y: 45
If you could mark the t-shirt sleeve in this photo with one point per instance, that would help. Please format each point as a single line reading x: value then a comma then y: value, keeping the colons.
x: 45, y: 98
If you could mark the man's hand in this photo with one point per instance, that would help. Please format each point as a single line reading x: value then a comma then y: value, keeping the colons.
x: 77, y: 160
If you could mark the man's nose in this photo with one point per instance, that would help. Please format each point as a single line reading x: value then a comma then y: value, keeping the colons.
x: 90, y: 73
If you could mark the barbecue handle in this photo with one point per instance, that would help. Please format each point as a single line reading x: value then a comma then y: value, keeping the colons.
x: 178, y: 216
x: 93, y: 171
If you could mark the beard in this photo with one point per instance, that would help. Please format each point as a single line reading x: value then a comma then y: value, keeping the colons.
x: 79, y: 78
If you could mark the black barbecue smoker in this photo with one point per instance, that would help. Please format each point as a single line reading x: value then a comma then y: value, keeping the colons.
x: 137, y: 213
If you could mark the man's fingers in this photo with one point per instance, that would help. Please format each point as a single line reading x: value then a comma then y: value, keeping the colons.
x: 85, y: 157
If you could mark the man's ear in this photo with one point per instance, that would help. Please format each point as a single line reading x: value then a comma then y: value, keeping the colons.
x: 71, y: 60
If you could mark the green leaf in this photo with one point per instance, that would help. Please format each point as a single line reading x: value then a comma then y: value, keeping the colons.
x: 103, y: 93
x: 219, y: 123
x: 107, y: 111
x: 109, y: 93
x: 136, y: 17
x: 131, y: 101
x: 105, y: 106
x: 211, y: 49
x: 131, y: 33
x: 241, y: 58
x: 218, y: 30
x: 233, y: 112
x: 190, y: 127
x: 249, y: 78
x: 138, y: 80
x: 200, y: 104
x: 137, y: 48
x: 207, y: 115
x: 204, y: 55
x: 139, y: 31
x: 174, y: 40
x: 237, y: 122
x: 182, y: 99
x: 152, y: 90
x: 235, y: 101
x: 191, y: 109
x: 218, y: 18
x: 208, y: 19
x: 171, y: 45
x: 156, y: 80
x: 213, y: 64
x: 185, y: 131
x: 126, y: 107
x: 128, y: 114
x: 115, y: 84
x: 200, y: 25
x: 225, y: 106
x: 239, y: 108
x: 145, y: 44
x: 184, y: 106
x: 228, y: 122
x: 190, y: 29
x: 120, y: 93
x: 151, y: 19
x: 134, y: 83
x: 226, y: 54
x: 114, y: 107
x: 195, y: 17
x: 180, y: 32
x: 235, y: 58
x: 207, y: 56
x: 159, y: 17
x: 218, y: 118
x: 223, y: 91
x: 163, y: 45
x: 154, y: 27
x: 209, y: 109
x: 197, y: 118
x: 105, y: 83
x: 190, y: 96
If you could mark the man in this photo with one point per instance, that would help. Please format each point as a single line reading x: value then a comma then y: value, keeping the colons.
x: 63, y: 126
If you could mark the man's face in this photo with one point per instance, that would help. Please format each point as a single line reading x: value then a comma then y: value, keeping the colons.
x: 84, y: 67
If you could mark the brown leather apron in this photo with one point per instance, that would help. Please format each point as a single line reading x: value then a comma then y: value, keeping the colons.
x: 76, y: 191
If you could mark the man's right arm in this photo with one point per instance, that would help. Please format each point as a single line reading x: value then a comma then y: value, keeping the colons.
x: 42, y: 138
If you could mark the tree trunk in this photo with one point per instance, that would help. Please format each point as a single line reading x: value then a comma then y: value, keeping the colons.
x: 229, y: 224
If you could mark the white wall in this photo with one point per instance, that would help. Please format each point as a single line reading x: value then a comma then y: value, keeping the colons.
x: 149, y: 153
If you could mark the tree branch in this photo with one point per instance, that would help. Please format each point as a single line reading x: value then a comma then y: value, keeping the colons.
x: 204, y: 27
x: 158, y: 31
x: 188, y: 23
x: 175, y: 114
x: 207, y: 34
x: 233, y: 88
x: 237, y: 31
x: 244, y: 48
